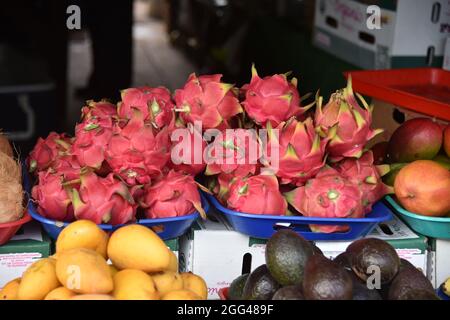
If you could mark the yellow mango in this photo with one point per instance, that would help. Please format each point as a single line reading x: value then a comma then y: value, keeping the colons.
x: 84, y: 271
x: 137, y: 247
x: 131, y: 284
x: 113, y: 270
x: 167, y: 281
x: 195, y: 284
x: 38, y: 280
x: 61, y: 293
x: 92, y: 297
x: 173, y: 265
x: 83, y: 234
x: 9, y: 290
x: 181, y: 295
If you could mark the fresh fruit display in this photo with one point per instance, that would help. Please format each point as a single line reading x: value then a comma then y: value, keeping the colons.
x: 423, y: 187
x: 11, y: 191
x: 141, y: 269
x: 369, y: 269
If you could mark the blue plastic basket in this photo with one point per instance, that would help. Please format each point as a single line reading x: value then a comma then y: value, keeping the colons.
x: 264, y: 226
x: 167, y: 228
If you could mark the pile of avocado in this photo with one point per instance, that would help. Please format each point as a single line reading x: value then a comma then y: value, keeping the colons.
x: 296, y: 269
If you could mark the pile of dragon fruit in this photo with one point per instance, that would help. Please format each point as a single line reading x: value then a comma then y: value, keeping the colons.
x: 120, y: 164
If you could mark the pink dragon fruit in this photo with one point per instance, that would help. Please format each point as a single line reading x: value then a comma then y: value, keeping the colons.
x: 172, y: 196
x: 155, y: 105
x: 363, y: 173
x: 258, y: 195
x: 220, y: 186
x: 349, y: 123
x: 208, y: 100
x: 272, y: 99
x: 233, y: 152
x: 66, y: 166
x: 91, y: 139
x: 187, y: 150
x: 101, y: 109
x: 136, y: 153
x: 301, y: 151
x: 103, y: 200
x: 328, y: 195
x: 52, y: 198
x: 47, y: 150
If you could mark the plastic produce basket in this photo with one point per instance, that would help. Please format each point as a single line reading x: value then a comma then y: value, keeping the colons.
x: 9, y: 229
x: 223, y: 293
x: 424, y: 90
x: 264, y: 226
x: 428, y: 226
x: 166, y: 228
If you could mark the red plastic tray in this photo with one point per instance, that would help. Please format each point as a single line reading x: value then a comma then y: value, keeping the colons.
x: 223, y: 293
x: 423, y: 90
x: 9, y: 229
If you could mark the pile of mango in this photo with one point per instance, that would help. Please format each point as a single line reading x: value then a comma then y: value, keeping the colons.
x: 142, y: 268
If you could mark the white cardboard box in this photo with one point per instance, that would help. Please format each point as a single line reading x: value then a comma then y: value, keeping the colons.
x: 219, y: 254
x: 439, y: 262
x: 27, y: 246
x: 410, y: 32
x: 446, y: 64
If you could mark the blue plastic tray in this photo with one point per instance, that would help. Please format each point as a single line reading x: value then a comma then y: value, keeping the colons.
x: 264, y: 226
x: 167, y: 228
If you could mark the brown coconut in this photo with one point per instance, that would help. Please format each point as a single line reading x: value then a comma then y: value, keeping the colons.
x: 11, y: 201
x: 10, y: 169
x: 5, y: 146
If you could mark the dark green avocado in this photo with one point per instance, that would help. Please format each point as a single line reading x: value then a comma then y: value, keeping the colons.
x: 237, y: 287
x: 367, y: 253
x: 326, y: 280
x: 260, y: 285
x: 407, y: 283
x: 286, y: 256
x: 289, y: 293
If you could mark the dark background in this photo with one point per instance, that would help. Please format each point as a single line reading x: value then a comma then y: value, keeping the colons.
x: 154, y: 42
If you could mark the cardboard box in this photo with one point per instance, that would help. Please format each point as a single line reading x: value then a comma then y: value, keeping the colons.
x: 28, y: 245
x: 446, y: 65
x: 408, y: 33
x: 390, y: 117
x: 219, y: 254
x: 409, y: 245
x: 439, y: 261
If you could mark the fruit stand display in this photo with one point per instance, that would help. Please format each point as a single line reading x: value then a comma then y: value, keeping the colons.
x: 274, y: 167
